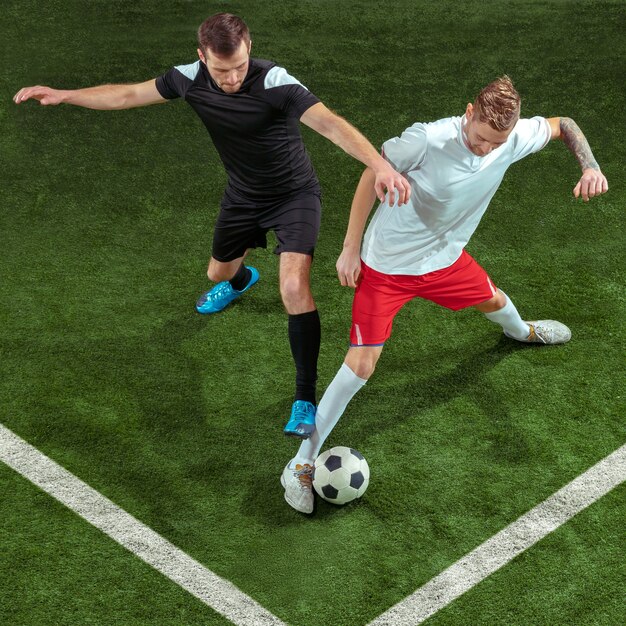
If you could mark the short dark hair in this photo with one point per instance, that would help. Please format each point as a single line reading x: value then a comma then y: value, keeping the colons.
x: 223, y: 33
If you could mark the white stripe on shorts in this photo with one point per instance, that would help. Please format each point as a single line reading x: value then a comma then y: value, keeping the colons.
x: 359, y: 338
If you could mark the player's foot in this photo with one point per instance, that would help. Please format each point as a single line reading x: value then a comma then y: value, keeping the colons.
x: 298, y: 484
x: 547, y: 332
x: 223, y: 294
x: 302, y: 420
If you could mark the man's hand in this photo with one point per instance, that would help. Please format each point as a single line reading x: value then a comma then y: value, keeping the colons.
x: 45, y: 95
x: 349, y: 139
x: 387, y: 178
x: 349, y: 267
x: 592, y: 183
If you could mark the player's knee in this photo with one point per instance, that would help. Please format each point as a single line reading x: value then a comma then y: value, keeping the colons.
x: 365, y: 370
x: 499, y: 301
x: 294, y: 289
x: 363, y: 367
x: 494, y: 304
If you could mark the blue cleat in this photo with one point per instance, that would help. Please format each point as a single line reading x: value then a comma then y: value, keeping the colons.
x: 223, y: 294
x: 302, y: 421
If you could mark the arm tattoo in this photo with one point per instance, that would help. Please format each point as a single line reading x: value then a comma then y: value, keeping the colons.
x: 578, y: 145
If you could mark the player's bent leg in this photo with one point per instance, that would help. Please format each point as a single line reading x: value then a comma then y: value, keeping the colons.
x: 548, y: 332
x: 234, y: 279
x: 297, y: 480
x: 304, y: 340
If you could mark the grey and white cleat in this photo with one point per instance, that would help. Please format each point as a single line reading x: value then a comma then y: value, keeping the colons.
x: 298, y: 484
x: 548, y: 332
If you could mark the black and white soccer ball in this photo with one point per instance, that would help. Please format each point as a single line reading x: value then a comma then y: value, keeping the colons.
x: 341, y: 474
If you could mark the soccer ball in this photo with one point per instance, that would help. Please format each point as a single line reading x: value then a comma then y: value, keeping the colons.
x: 341, y: 474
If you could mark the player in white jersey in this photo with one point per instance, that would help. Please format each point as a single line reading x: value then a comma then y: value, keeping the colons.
x: 454, y: 166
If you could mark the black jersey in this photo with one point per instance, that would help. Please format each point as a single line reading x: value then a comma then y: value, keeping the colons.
x: 256, y: 130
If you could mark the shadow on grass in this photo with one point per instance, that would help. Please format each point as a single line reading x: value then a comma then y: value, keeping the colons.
x: 404, y: 404
x: 430, y: 388
x: 136, y: 410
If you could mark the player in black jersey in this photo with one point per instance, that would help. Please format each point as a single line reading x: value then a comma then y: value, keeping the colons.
x: 252, y: 110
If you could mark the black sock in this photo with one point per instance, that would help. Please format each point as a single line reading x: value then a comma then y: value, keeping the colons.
x: 304, y: 339
x: 241, y: 278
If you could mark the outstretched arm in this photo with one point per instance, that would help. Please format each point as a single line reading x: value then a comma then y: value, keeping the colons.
x: 103, y: 97
x: 593, y: 182
x: 349, y: 261
x: 349, y: 139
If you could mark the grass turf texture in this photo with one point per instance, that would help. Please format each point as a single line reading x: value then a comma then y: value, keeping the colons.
x: 106, y: 225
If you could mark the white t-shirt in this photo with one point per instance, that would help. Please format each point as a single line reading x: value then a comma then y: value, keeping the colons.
x: 450, y: 190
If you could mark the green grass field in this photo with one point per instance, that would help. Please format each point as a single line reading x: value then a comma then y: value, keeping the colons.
x: 106, y: 221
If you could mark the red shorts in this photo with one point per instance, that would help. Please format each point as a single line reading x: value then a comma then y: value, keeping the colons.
x: 379, y: 297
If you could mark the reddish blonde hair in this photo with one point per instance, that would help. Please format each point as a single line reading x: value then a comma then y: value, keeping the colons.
x: 498, y: 104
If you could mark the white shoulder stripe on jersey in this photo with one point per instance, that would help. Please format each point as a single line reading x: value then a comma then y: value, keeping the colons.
x: 190, y: 71
x: 278, y: 77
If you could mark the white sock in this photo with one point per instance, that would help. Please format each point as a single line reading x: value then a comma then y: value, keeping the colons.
x: 510, y: 320
x: 331, y: 407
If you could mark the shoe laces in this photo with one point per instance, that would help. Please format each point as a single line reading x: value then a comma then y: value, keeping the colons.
x: 304, y: 474
x: 304, y: 409
x: 222, y: 290
x: 539, y: 335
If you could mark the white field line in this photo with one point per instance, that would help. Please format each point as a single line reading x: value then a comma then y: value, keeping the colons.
x: 239, y: 608
x: 508, y: 543
x: 219, y: 594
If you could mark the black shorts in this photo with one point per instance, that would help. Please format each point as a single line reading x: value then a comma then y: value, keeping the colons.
x: 295, y: 222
